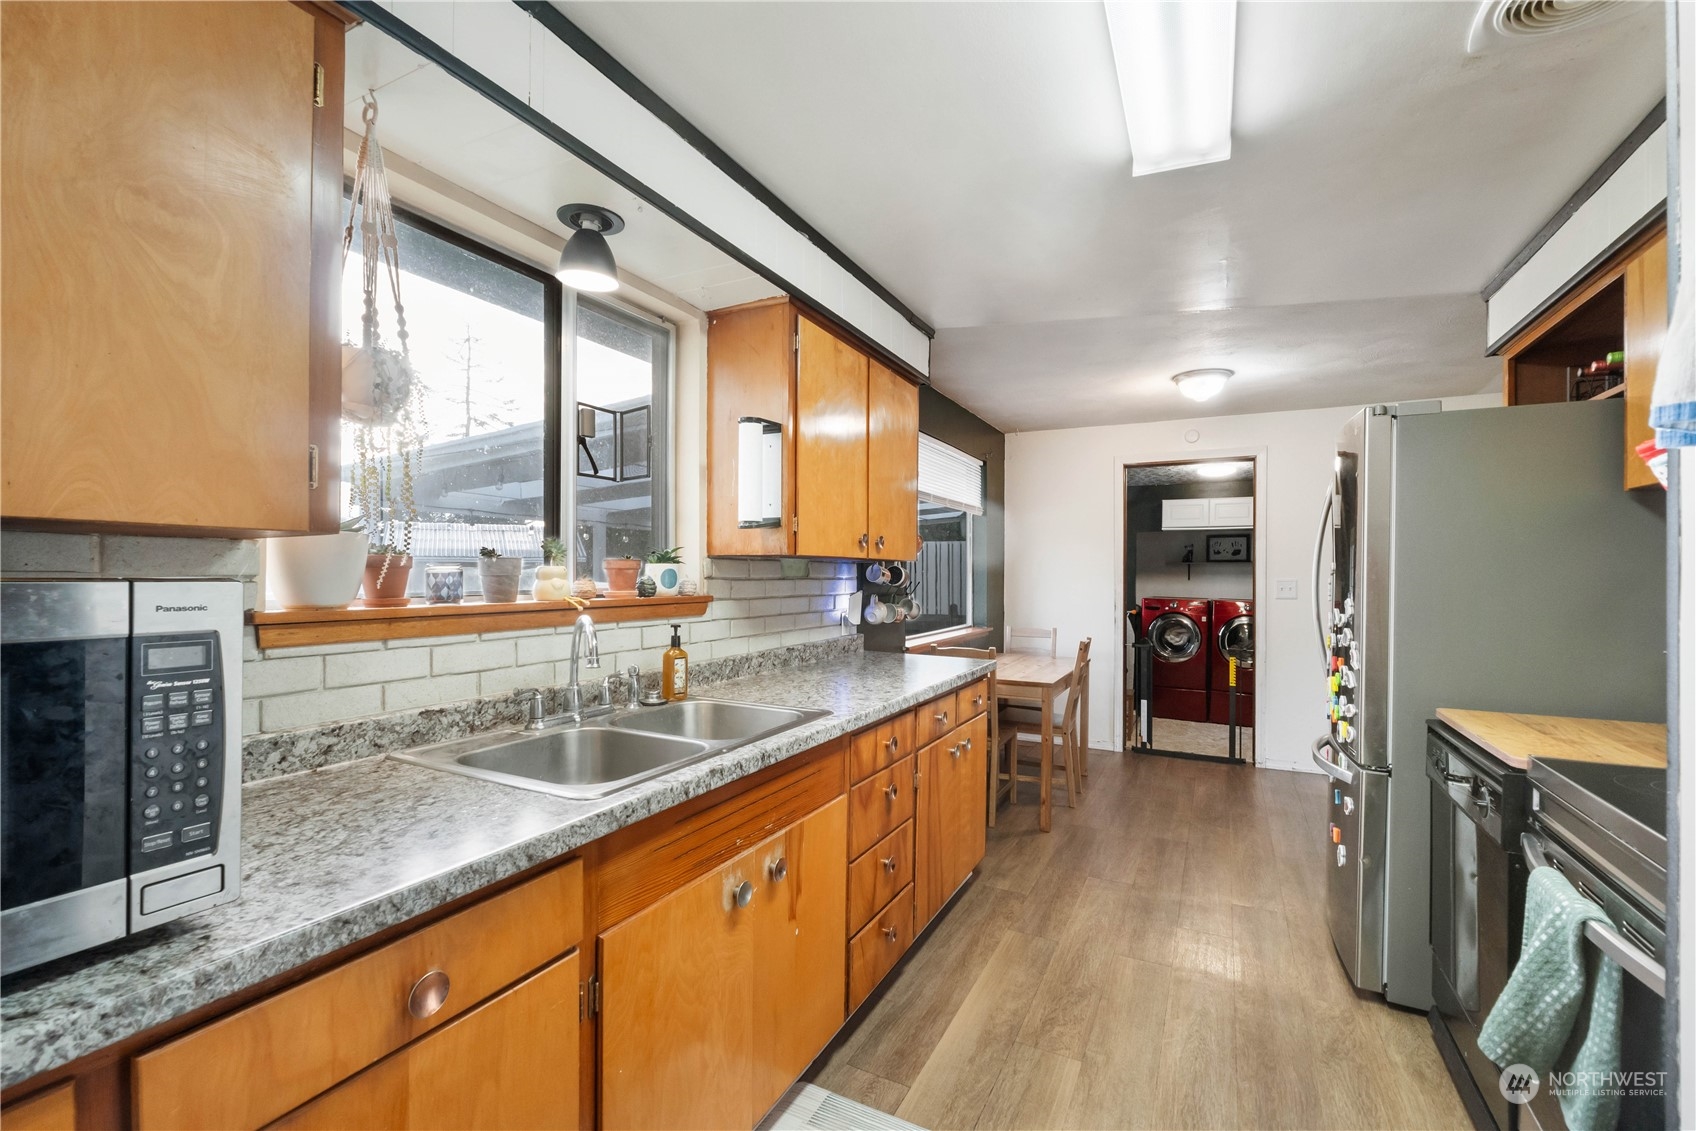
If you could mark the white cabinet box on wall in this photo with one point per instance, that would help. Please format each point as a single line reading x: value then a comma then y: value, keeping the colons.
x: 1207, y: 514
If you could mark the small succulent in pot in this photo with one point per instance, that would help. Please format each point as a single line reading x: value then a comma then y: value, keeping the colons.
x: 499, y: 575
x: 553, y: 579
x: 665, y: 569
x: 388, y: 567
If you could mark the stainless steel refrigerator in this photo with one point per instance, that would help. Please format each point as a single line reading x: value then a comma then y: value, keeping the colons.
x: 1485, y: 559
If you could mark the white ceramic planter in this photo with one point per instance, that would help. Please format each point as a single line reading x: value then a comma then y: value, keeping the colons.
x: 316, y: 571
x: 667, y: 577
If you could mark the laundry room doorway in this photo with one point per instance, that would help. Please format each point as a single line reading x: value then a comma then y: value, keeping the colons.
x: 1189, y: 609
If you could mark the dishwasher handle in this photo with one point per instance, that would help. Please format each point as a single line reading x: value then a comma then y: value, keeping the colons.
x: 1607, y: 937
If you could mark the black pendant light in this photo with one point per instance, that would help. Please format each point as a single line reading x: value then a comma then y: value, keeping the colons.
x: 586, y: 264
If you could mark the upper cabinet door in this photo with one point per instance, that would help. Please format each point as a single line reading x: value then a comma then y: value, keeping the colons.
x: 157, y: 212
x: 830, y: 446
x: 892, y: 474
x: 1645, y: 326
x: 1183, y: 514
x: 750, y: 375
x: 1236, y: 511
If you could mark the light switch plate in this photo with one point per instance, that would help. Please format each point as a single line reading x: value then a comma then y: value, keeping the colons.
x: 1286, y: 589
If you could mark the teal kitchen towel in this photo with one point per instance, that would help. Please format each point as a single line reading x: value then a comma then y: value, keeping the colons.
x: 1532, y: 1021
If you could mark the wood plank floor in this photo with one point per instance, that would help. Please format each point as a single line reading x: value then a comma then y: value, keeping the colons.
x: 1159, y: 960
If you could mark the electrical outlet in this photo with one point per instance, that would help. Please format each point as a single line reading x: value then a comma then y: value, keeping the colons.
x: 1286, y: 589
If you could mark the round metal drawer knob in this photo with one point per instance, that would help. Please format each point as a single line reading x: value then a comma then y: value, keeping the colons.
x: 890, y: 933
x: 744, y: 894
x: 889, y: 863
x: 894, y: 791
x: 428, y: 994
x: 779, y: 868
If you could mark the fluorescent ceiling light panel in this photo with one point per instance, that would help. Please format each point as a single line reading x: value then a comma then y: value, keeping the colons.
x: 1175, y: 59
x: 1226, y: 469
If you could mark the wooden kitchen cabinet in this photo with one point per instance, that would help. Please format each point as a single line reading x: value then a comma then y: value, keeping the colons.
x: 502, y: 1065
x: 717, y: 996
x: 52, y: 1110
x: 850, y: 437
x: 170, y: 183
x: 1645, y: 327
x: 830, y: 446
x: 949, y: 837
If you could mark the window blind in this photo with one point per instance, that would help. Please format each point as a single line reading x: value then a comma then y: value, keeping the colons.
x: 949, y: 477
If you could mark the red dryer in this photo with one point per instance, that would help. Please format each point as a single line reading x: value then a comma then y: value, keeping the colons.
x: 1178, y: 628
x: 1233, y: 632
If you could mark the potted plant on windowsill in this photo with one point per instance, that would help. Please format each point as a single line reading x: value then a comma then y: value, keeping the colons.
x: 553, y: 576
x: 621, y: 575
x: 500, y: 575
x: 387, y: 570
x: 665, y: 569
x: 317, y: 571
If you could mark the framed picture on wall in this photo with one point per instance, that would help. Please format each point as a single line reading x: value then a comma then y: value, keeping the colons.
x: 1229, y: 547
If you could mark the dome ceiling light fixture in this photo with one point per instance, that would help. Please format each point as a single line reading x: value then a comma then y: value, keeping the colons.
x: 1224, y: 469
x: 586, y: 263
x: 1202, y: 384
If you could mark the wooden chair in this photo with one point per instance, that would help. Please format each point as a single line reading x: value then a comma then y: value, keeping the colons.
x: 1016, y: 722
x: 994, y: 759
x: 1045, y: 640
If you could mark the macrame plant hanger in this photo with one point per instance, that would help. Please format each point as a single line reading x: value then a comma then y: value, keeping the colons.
x: 380, y: 391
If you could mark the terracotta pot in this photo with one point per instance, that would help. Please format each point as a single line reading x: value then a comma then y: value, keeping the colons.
x: 500, y: 578
x: 319, y: 571
x: 621, y: 575
x: 391, y: 590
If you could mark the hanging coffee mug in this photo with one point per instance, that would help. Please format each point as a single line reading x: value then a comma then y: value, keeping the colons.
x: 876, y: 611
x: 876, y: 574
x: 897, y: 574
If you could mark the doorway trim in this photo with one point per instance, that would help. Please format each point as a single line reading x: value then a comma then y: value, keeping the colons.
x: 1121, y: 598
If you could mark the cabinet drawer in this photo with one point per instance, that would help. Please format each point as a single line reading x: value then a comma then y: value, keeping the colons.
x: 878, y: 805
x: 874, y: 878
x: 258, y: 1063
x: 52, y: 1110
x: 497, y: 1066
x: 935, y: 719
x: 971, y: 700
x: 881, y: 745
x: 878, y: 947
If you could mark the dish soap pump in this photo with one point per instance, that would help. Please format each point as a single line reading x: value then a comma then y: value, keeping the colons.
x: 674, y: 668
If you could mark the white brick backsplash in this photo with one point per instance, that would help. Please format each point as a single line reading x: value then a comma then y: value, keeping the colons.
x: 517, y: 635
x: 822, y: 569
x: 765, y: 569
x: 703, y: 631
x: 262, y: 678
x: 743, y: 589
x: 795, y: 605
x: 717, y: 587
x: 30, y: 552
x: 611, y: 639
x: 415, y: 693
x: 382, y: 666
x: 178, y: 557
x: 502, y: 680
x: 327, y: 649
x: 250, y: 716
x: 429, y: 641
x: 481, y: 656
x: 314, y: 708
x: 725, y: 567
x: 656, y: 636
x: 546, y: 649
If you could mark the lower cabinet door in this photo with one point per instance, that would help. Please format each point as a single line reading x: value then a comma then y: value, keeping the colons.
x: 677, y: 1006
x: 52, y: 1110
x: 878, y: 947
x: 507, y: 1064
x: 801, y: 918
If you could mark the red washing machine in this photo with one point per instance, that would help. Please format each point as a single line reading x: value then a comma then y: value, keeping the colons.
x: 1178, y: 628
x: 1233, y: 632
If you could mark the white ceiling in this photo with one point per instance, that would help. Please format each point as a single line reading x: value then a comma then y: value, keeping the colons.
x: 972, y: 157
x: 435, y: 121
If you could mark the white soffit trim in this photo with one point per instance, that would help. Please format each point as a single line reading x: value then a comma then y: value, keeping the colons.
x: 1635, y: 188
x: 949, y: 476
x: 509, y: 48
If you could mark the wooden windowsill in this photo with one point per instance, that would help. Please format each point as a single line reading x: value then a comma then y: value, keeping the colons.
x: 957, y: 638
x: 295, y: 628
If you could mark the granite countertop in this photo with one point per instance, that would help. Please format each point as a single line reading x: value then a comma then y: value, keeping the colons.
x: 332, y: 857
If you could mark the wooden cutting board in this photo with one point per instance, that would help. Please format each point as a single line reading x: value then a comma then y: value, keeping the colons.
x: 1516, y: 739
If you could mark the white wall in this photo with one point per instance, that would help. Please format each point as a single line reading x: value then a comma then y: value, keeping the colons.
x: 1161, y: 572
x: 1065, y: 518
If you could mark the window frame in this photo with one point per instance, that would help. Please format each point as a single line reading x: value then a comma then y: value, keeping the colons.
x: 970, y: 610
x: 559, y: 374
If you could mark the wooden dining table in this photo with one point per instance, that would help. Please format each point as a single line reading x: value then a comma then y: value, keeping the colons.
x: 1032, y: 676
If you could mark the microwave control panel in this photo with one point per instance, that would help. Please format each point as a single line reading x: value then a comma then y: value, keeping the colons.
x: 177, y: 755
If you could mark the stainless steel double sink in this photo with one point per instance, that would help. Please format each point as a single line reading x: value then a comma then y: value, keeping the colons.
x: 603, y: 755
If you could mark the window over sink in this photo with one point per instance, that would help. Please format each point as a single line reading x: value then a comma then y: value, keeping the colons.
x: 951, y: 494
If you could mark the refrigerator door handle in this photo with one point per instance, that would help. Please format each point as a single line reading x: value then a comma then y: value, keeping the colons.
x: 1318, y: 561
x: 1332, y: 769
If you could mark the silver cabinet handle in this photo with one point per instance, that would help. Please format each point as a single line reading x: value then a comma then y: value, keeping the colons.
x: 889, y: 863
x: 977, y: 700
x: 779, y: 868
x: 943, y: 718
x: 880, y: 542
x: 428, y: 995
x: 744, y: 894
x: 894, y: 744
x: 890, y: 933
x: 863, y: 540
x: 954, y: 750
x: 893, y: 791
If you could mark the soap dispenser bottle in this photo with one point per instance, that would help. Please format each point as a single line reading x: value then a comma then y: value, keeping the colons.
x: 674, y: 668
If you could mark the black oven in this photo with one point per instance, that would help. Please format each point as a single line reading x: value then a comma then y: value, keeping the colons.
x: 120, y: 759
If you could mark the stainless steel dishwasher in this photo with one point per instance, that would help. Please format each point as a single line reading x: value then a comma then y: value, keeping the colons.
x: 1479, y: 808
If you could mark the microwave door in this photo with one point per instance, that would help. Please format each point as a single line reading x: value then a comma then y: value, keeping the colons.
x: 64, y: 656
